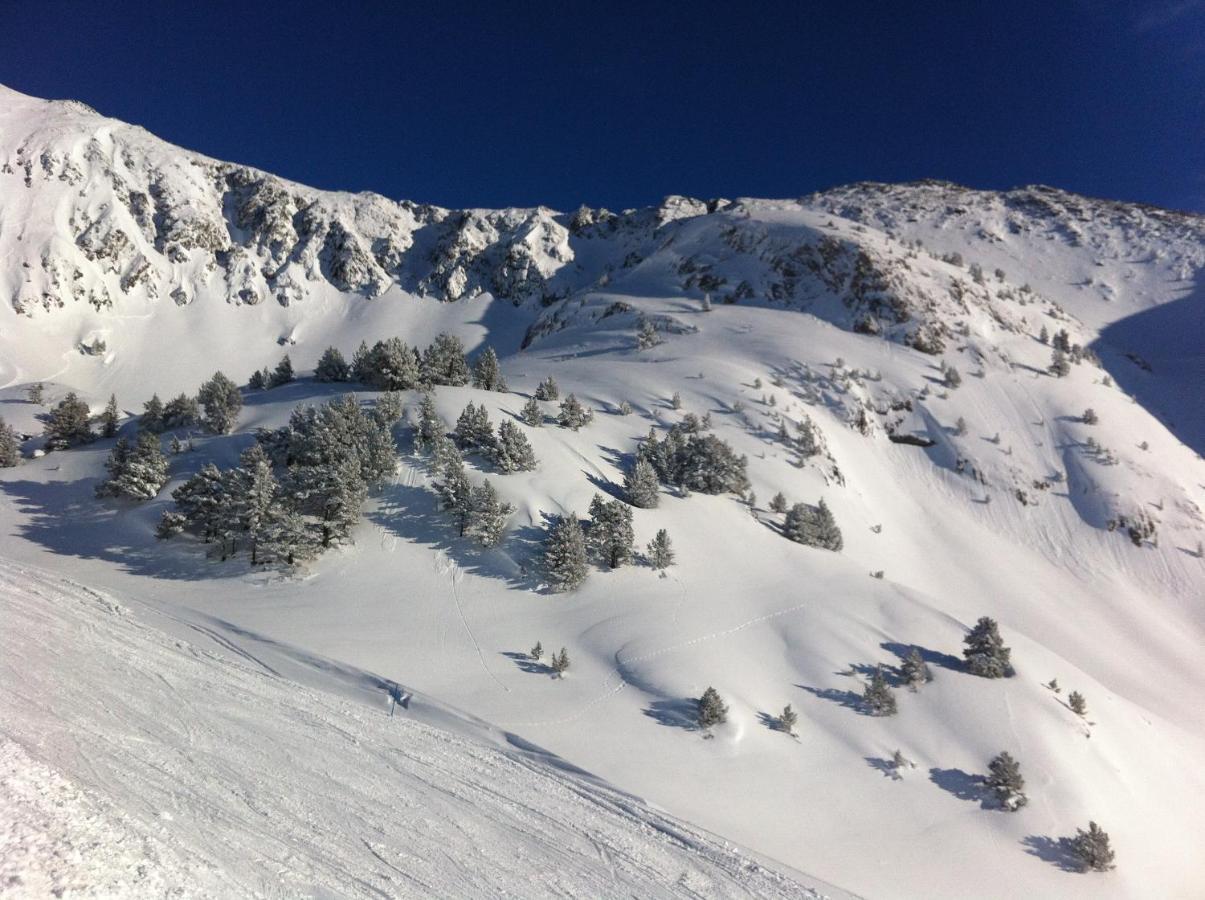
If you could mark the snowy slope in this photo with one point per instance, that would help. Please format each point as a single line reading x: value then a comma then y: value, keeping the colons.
x: 833, y: 304
x: 148, y: 766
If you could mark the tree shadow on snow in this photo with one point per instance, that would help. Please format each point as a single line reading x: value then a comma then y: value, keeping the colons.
x: 932, y: 657
x: 605, y: 485
x: 675, y: 713
x: 962, y: 785
x: 1056, y: 851
x: 885, y: 766
x: 848, y: 699
x: 527, y: 664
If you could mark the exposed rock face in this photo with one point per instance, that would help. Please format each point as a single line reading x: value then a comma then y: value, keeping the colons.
x: 97, y: 212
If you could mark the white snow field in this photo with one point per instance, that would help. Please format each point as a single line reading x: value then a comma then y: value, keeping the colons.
x: 824, y: 307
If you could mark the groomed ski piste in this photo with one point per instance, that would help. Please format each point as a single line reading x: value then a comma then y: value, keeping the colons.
x: 1014, y: 516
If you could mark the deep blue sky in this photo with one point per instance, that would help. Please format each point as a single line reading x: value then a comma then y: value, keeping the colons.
x: 618, y: 104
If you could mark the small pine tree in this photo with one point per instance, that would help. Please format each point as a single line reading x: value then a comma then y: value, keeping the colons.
x: 706, y: 304
x: 914, y: 671
x: 389, y: 408
x: 444, y: 363
x: 788, y: 719
x: 152, y: 415
x: 1089, y: 417
x: 573, y: 414
x: 899, y: 763
x: 68, y: 424
x: 1005, y: 781
x: 960, y: 427
x: 487, y: 376
x: 660, y: 551
x: 953, y: 378
x: 171, y: 523
x: 258, y: 380
x: 625, y: 408
x: 332, y: 366
x: 1059, y: 367
x: 532, y: 414
x: 109, y: 418
x: 361, y: 364
x: 537, y: 652
x: 487, y: 515
x: 137, y: 472
x: 778, y: 503
x: 10, y: 446
x: 548, y: 389
x: 222, y: 401
x: 512, y: 450
x: 711, y: 709
x: 36, y: 393
x: 430, y: 426
x: 560, y: 663
x: 814, y: 527
x: 181, y: 412
x: 565, y: 554
x: 646, y: 335
x: 609, y: 535
x: 641, y: 486
x: 474, y: 433
x: 985, y: 652
x: 878, y: 697
x: 283, y: 373
x: 1044, y: 335
x: 1092, y: 849
x: 676, y: 400
x: 1078, y: 704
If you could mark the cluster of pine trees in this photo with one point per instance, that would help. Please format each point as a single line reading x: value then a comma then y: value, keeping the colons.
x: 296, y: 491
x: 508, y: 449
x: 692, y: 459
x: 606, y: 537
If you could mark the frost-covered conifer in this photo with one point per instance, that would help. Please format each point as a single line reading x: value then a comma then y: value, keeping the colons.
x: 512, y: 450
x: 565, y: 554
x: 641, y: 486
x: 361, y: 364
x: 778, y: 503
x: 10, y: 447
x: 960, y: 427
x: 537, y: 652
x: 609, y: 534
x: 487, y: 376
x: 389, y: 408
x: 152, y: 415
x: 255, y: 497
x: 1078, y: 704
x: 392, y: 366
x: 1044, y: 335
x: 814, y: 527
x: 487, y: 515
x: 474, y: 433
x: 787, y: 719
x: 1059, y: 367
x: 200, y: 501
x: 711, y: 709
x: 676, y: 400
x: 430, y: 426
x: 914, y: 671
x: 953, y: 379
x: 222, y: 401
x: 171, y: 523
x: 36, y: 394
x: 181, y: 412
x: 67, y: 424
x: 444, y: 363
x: 1092, y: 849
x: 573, y: 414
x: 1089, y: 417
x: 259, y: 380
x: 647, y: 336
x: 808, y: 441
x: 548, y: 390
x: 878, y: 697
x: 283, y: 373
x: 560, y: 662
x: 985, y: 652
x: 137, y: 472
x: 1005, y: 781
x: 108, y: 419
x: 660, y: 551
x: 532, y: 414
x: 332, y: 366
x: 625, y: 408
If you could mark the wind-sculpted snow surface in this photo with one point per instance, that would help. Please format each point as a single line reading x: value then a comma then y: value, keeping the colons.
x: 133, y: 764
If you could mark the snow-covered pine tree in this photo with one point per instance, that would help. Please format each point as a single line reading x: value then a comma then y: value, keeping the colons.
x: 1044, y: 335
x: 474, y: 433
x: 1059, y: 367
x: 361, y: 364
x: 254, y: 491
x: 641, y: 486
x: 548, y: 389
x: 573, y: 414
x: 487, y: 376
x: 532, y: 414
x: 393, y: 366
x: 625, y: 408
x: 711, y: 709
x: 137, y: 472
x: 109, y: 418
x: 222, y: 401
x: 10, y: 446
x: 430, y: 426
x: 512, y: 450
x: 537, y: 652
x: 283, y: 373
x: 259, y: 380
x: 609, y: 535
x: 787, y: 719
x: 914, y: 671
x: 36, y: 394
x: 807, y: 441
x: 286, y: 537
x: 878, y: 696
x: 333, y: 490
x: 152, y: 415
x: 560, y: 662
x: 444, y: 363
x: 181, y: 412
x: 67, y: 424
x: 388, y: 410
x: 778, y: 503
x: 647, y: 336
x: 565, y: 553
x: 814, y: 527
x: 676, y: 400
x: 171, y: 523
x: 660, y: 551
x: 1078, y: 704
x: 1005, y: 781
x: 455, y: 493
x: 1089, y: 417
x: 985, y: 652
x: 200, y: 501
x: 1092, y: 849
x: 960, y: 427
x: 953, y: 379
x: 487, y: 515
x: 332, y: 366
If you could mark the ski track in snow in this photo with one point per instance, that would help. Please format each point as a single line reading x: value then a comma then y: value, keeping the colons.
x: 116, y: 779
